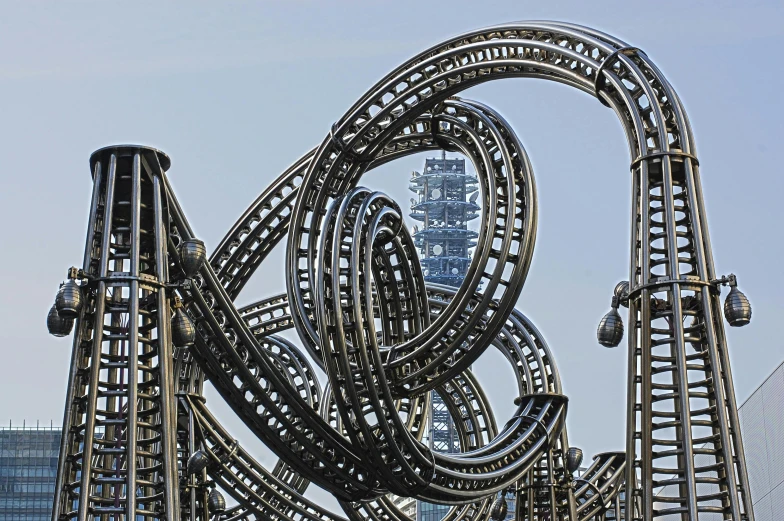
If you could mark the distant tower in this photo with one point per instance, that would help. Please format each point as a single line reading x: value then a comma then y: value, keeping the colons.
x: 445, y: 202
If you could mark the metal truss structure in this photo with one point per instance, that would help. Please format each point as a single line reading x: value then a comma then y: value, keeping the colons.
x: 444, y: 207
x: 154, y: 318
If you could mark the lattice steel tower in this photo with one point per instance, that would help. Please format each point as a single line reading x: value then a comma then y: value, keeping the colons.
x: 444, y: 207
x: 119, y: 416
x: 445, y: 202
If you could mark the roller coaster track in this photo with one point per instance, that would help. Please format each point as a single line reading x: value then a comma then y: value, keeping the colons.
x: 135, y: 414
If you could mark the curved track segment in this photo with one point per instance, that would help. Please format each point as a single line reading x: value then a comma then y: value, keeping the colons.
x: 521, y: 344
x: 247, y: 368
x: 460, y: 483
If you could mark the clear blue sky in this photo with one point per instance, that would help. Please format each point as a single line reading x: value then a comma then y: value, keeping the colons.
x: 235, y: 92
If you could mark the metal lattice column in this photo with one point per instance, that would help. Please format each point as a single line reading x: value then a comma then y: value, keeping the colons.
x: 443, y: 434
x: 120, y: 412
x: 681, y: 400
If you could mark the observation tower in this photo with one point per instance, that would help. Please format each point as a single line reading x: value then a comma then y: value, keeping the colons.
x: 445, y: 202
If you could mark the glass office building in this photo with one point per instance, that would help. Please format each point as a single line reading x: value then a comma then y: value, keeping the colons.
x: 762, y: 425
x: 28, y: 466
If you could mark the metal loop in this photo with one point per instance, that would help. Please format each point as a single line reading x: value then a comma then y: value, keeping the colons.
x: 428, y: 476
x: 438, y: 140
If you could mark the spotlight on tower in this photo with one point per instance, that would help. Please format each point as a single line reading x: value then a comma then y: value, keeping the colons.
x: 57, y: 325
x: 197, y: 462
x: 69, y: 299
x: 182, y: 329
x: 192, y: 256
x: 574, y: 457
x: 216, y: 503
x: 737, y: 309
x: 610, y: 331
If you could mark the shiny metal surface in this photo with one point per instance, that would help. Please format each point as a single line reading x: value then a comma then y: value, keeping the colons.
x: 69, y: 300
x: 574, y: 458
x: 182, y: 330
x: 56, y: 324
x: 216, y: 503
x: 135, y: 413
x: 610, y: 331
x: 737, y: 309
x: 118, y: 419
x: 193, y: 254
x: 197, y: 462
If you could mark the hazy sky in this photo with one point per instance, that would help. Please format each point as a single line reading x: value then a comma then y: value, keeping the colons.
x: 237, y: 93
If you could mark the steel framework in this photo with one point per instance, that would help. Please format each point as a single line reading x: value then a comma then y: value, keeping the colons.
x: 444, y: 208
x: 153, y: 318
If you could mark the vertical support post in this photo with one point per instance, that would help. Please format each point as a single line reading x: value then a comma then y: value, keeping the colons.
x: 132, y: 432
x: 726, y: 405
x: 688, y: 409
x: 681, y: 376
x: 165, y: 351
x: 684, y: 404
x: 100, y: 304
x: 63, y: 490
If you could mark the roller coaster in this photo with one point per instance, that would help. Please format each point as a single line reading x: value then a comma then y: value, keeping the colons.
x: 153, y: 318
